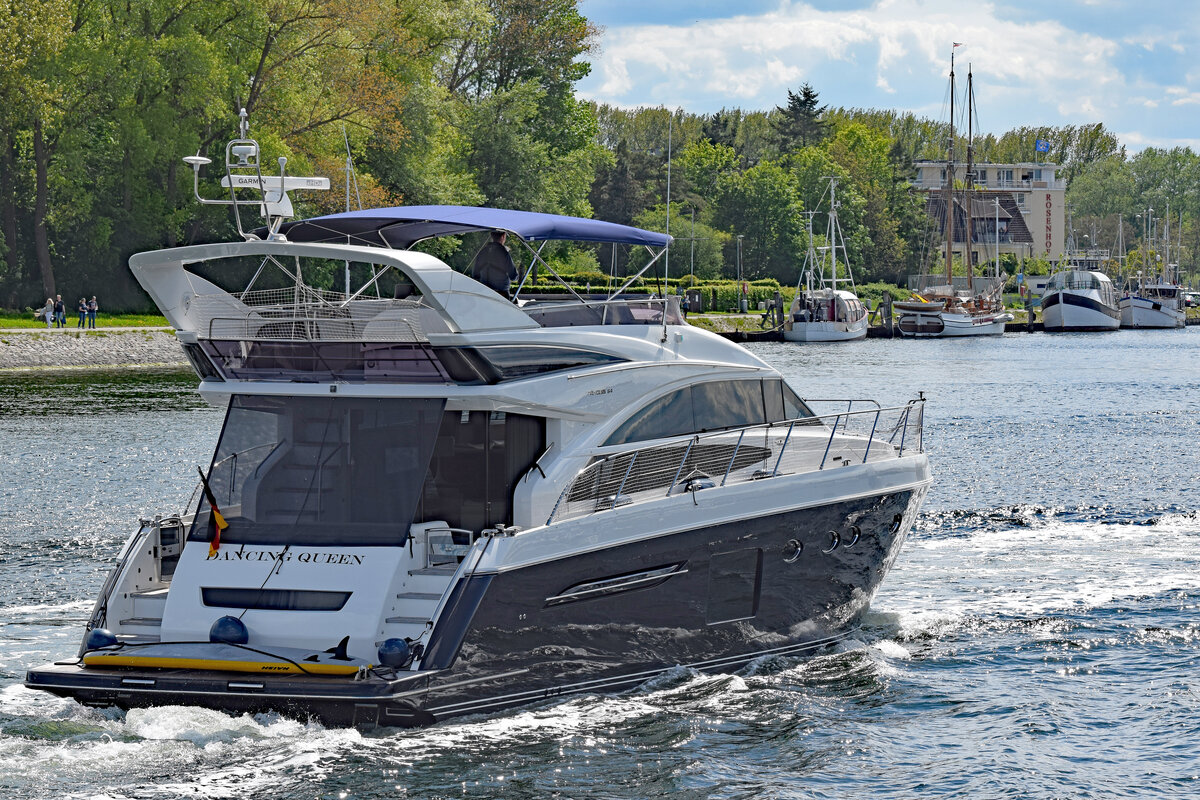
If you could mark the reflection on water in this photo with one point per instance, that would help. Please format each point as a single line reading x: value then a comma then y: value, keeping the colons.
x: 1036, y: 639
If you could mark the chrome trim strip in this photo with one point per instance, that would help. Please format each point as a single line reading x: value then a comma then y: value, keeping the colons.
x: 601, y: 587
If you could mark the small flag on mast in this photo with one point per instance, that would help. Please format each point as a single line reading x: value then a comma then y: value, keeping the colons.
x: 219, y: 523
x: 1042, y: 145
x: 957, y: 44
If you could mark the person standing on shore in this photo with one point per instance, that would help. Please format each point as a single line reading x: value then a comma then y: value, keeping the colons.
x: 46, y: 312
x: 82, y: 310
x: 92, y: 308
x: 60, y: 312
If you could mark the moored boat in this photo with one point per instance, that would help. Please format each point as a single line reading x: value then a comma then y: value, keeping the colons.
x: 821, y: 312
x: 1080, y: 300
x: 1151, y: 302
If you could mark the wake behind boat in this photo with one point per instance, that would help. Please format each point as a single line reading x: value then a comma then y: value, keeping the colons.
x: 427, y: 500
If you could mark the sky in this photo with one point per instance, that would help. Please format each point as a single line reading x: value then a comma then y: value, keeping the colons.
x: 1134, y: 66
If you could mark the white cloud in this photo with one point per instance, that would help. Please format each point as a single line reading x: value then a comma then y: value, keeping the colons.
x: 743, y: 59
x: 1033, y: 64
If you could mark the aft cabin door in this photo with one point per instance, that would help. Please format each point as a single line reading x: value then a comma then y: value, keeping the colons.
x: 477, y: 460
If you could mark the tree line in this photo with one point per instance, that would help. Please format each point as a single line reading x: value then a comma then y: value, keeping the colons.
x: 467, y: 102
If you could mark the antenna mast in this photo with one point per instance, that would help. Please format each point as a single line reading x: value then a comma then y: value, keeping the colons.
x: 950, y: 185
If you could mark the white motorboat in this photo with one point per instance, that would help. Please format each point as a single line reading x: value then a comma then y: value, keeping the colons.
x: 1080, y: 300
x: 427, y: 500
x: 1152, y: 302
x: 821, y: 312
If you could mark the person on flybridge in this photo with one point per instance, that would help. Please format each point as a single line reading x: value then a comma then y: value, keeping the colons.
x: 493, y: 266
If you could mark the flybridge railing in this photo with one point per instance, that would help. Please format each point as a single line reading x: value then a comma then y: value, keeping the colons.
x: 306, y: 314
x: 808, y: 444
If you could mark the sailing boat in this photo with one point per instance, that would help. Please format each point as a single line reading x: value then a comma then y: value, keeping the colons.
x: 942, y: 310
x: 821, y: 312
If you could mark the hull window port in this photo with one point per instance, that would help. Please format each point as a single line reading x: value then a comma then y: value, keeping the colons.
x: 855, y: 533
x: 792, y: 550
x: 835, y: 539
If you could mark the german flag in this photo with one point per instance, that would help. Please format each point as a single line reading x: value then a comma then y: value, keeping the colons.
x: 219, y: 523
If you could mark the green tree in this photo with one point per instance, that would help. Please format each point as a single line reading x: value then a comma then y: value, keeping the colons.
x: 799, y: 123
x: 762, y: 206
x: 698, y: 249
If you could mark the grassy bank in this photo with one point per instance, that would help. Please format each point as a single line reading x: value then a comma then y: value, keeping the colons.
x: 23, y: 319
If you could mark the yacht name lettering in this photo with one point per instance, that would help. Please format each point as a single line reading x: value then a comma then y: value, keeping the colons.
x: 287, y: 556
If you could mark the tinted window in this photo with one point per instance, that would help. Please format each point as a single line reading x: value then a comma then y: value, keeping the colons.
x: 320, y: 470
x: 727, y: 404
x: 793, y: 406
x: 709, y: 407
x: 670, y: 415
x: 477, y: 460
x: 512, y: 362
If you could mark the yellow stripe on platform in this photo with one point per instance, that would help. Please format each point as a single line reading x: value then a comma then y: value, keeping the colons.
x: 272, y: 667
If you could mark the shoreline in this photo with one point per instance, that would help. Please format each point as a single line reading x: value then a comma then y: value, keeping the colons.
x: 53, y: 349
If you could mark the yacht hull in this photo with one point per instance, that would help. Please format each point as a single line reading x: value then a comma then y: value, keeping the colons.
x: 1141, y: 312
x: 712, y: 598
x: 1071, y: 311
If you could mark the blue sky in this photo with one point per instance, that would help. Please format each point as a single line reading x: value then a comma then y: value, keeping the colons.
x: 1135, y: 66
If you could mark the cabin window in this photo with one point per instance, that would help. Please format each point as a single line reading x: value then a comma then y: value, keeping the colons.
x: 360, y: 471
x: 713, y: 406
x: 320, y: 470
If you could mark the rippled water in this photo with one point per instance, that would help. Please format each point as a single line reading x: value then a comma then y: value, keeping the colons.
x: 1037, y: 638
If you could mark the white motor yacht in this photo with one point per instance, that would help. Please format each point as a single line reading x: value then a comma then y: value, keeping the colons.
x: 1151, y: 303
x: 427, y: 500
x: 1080, y: 300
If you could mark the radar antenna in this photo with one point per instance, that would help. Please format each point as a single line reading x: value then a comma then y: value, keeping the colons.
x: 244, y: 173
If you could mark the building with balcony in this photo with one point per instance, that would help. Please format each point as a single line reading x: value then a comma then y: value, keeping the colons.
x: 1025, y: 202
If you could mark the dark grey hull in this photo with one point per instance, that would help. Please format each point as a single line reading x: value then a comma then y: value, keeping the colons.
x: 712, y: 599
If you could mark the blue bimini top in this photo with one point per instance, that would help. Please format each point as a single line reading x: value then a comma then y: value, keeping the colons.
x: 401, y: 227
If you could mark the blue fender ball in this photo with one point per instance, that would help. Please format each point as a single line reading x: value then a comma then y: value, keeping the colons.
x: 394, y: 653
x: 230, y: 630
x: 99, y: 638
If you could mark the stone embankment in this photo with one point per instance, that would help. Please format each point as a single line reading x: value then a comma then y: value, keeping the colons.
x: 65, y: 348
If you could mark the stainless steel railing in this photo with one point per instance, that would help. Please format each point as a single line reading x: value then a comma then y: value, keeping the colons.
x: 809, y: 444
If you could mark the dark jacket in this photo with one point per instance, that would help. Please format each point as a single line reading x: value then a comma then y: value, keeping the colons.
x: 494, y: 268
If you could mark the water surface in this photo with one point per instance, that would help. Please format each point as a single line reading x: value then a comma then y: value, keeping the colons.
x: 1037, y: 638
